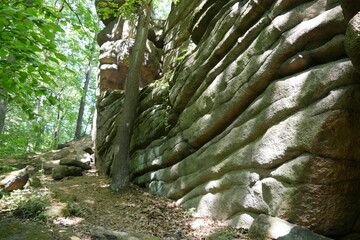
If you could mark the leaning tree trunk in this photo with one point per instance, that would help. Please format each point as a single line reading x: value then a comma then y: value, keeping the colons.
x: 83, y: 98
x: 120, y: 167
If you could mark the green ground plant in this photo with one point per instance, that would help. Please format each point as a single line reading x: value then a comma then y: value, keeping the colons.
x: 34, y: 209
x: 6, y: 168
x: 75, y: 210
x: 27, y: 204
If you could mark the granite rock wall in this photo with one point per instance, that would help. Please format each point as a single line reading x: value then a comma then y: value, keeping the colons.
x: 257, y: 112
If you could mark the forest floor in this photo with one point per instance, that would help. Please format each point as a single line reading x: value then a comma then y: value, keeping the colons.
x: 136, y: 211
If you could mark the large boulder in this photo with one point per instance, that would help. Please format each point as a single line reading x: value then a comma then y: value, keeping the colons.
x: 352, y: 41
x: 16, y: 179
x: 62, y: 171
x: 75, y: 163
x: 59, y: 172
x: 267, y: 228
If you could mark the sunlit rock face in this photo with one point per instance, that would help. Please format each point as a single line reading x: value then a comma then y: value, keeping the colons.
x: 261, y: 115
x: 352, y: 42
x: 116, y: 41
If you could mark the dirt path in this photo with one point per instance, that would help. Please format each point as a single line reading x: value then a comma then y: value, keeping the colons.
x: 136, y: 211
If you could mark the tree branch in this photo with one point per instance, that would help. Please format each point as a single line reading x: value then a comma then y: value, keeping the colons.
x: 77, y: 16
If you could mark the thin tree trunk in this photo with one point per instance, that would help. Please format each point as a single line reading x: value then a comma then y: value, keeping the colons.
x: 3, y: 105
x: 58, y: 129
x: 83, y: 97
x: 120, y: 167
x: 90, y: 120
x: 35, y: 128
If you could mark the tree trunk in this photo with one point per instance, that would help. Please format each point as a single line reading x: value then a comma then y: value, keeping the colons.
x: 3, y: 104
x: 83, y: 98
x: 120, y: 166
x: 58, y: 129
x: 36, y: 128
x: 90, y: 119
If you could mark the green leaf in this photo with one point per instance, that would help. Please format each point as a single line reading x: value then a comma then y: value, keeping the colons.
x: 31, y: 68
x: 56, y: 27
x: 4, y: 193
x: 36, y: 128
x: 31, y: 11
x: 76, y: 27
x: 52, y: 100
x: 48, y: 34
x: 23, y: 76
x: 3, y: 53
x: 35, y: 48
x: 53, y: 60
x: 61, y: 56
x: 51, y: 46
x: 46, y: 79
x: 40, y: 92
x: 42, y: 67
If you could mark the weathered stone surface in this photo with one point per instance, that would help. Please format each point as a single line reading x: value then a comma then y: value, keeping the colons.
x: 59, y: 172
x: 16, y: 179
x: 261, y: 115
x: 114, y: 63
x: 75, y: 171
x: 99, y: 233
x: 75, y: 163
x: 116, y: 30
x: 267, y: 228
x: 350, y: 8
x: 62, y: 171
x: 352, y: 42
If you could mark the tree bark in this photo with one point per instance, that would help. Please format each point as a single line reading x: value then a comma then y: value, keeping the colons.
x: 33, y: 135
x: 3, y: 104
x: 83, y: 97
x: 57, y: 131
x: 120, y: 167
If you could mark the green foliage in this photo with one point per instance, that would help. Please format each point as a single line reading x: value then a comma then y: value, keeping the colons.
x: 4, y: 193
x: 26, y: 204
x: 113, y: 9
x: 129, y: 9
x: 190, y: 211
x: 33, y: 209
x: 5, y: 169
x: 65, y: 197
x: 75, y: 210
x: 28, y: 31
x: 44, y: 87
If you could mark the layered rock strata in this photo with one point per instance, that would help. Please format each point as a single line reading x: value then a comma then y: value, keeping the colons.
x: 261, y: 115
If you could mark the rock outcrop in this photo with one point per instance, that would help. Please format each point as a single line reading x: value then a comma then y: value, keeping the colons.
x: 352, y: 43
x: 16, y: 179
x: 257, y: 113
x: 267, y: 228
x: 59, y: 172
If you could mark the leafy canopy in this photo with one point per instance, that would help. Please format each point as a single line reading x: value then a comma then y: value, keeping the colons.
x: 45, y: 46
x: 129, y: 8
x: 28, y: 30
